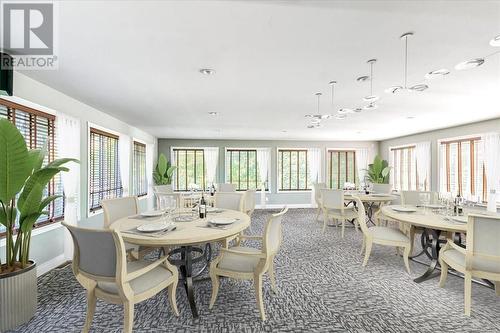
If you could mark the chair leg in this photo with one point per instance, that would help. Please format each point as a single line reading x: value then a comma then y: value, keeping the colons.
x: 406, y: 255
x: 497, y: 288
x: 317, y: 214
x: 270, y: 271
x: 363, y: 245
x: 368, y: 250
x: 343, y: 228
x: 128, y: 324
x: 444, y: 273
x: 91, y: 302
x: 215, y: 287
x: 468, y: 293
x: 412, y: 238
x: 325, y: 221
x: 258, y: 294
x: 171, y: 297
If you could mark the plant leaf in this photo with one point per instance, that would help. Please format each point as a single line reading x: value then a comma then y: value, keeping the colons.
x: 61, y: 161
x: 48, y: 200
x: 38, y: 178
x: 15, y: 163
x: 162, y: 164
x: 31, y: 202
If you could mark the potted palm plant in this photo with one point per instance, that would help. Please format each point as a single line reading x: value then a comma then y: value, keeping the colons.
x: 378, y: 172
x: 162, y: 175
x: 23, y: 179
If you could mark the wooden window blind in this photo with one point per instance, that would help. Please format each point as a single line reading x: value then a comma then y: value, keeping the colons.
x: 404, y: 169
x: 292, y: 170
x: 242, y: 169
x: 341, y: 168
x: 190, y: 170
x: 38, y: 128
x: 139, y: 182
x: 104, y: 168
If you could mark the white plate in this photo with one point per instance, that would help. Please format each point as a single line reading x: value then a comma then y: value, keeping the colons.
x: 403, y: 209
x: 434, y: 206
x: 459, y: 219
x: 222, y: 220
x: 213, y: 210
x: 380, y: 195
x: 151, y: 213
x: 153, y: 227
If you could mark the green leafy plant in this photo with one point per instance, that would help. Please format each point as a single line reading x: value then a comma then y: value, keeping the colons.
x: 162, y: 175
x: 378, y: 171
x: 23, y: 178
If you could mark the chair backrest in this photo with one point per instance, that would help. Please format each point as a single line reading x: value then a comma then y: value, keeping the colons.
x: 229, y: 200
x: 483, y: 234
x: 361, y: 214
x: 333, y: 199
x: 413, y: 197
x: 226, y: 187
x: 249, y: 204
x: 382, y: 188
x: 115, y: 209
x: 163, y: 189
x: 317, y: 192
x: 95, y: 251
x: 272, y: 233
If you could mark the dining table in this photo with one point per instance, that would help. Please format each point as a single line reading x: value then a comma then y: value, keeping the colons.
x: 188, y: 242
x: 371, y: 201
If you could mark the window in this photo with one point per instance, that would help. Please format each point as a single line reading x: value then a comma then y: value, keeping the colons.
x: 461, y: 166
x: 404, y: 169
x: 292, y: 170
x: 190, y: 170
x: 242, y: 169
x: 341, y: 168
x: 37, y: 129
x: 139, y: 179
x: 104, y: 168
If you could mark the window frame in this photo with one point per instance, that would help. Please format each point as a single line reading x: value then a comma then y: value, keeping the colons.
x: 143, y: 144
x: 413, y: 165
x: 226, y: 167
x: 176, y: 174
x: 328, y: 164
x: 279, y: 181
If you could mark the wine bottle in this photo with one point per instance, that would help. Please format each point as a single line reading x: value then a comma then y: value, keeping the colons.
x: 202, y: 207
x: 212, y: 190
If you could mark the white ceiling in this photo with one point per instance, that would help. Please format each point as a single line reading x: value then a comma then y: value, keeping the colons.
x: 139, y: 61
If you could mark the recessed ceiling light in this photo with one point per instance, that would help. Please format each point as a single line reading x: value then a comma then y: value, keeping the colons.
x: 371, y: 98
x: 340, y: 116
x: 495, y: 41
x: 469, y: 64
x: 357, y: 110
x: 362, y: 78
x: 207, y: 71
x: 410, y: 117
x: 213, y: 113
x: 437, y: 73
x: 370, y: 107
x: 419, y: 87
x: 284, y: 131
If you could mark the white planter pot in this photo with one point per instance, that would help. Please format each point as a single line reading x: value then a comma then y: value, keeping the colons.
x: 19, y: 296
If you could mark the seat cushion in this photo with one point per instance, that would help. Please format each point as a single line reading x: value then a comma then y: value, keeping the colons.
x: 239, y: 262
x: 388, y: 234
x: 349, y: 212
x: 453, y: 257
x: 144, y: 282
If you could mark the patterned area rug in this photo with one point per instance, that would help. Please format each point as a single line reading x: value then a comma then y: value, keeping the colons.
x: 322, y: 288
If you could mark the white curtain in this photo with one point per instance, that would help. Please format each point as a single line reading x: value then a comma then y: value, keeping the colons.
x: 314, y: 165
x: 150, y: 157
x: 211, y: 159
x: 124, y: 148
x: 362, y: 161
x: 491, y: 149
x: 263, y: 157
x: 68, y: 143
x: 423, y: 157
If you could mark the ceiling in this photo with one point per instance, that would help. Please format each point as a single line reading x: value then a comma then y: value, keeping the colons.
x: 140, y: 61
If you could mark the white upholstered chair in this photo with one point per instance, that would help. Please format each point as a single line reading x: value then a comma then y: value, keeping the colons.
x: 332, y: 204
x: 226, y: 187
x: 230, y: 200
x: 414, y: 197
x: 481, y: 257
x: 249, y: 203
x: 117, y: 208
x: 100, y: 266
x: 247, y: 263
x: 381, y: 235
x: 382, y: 188
x: 317, y: 196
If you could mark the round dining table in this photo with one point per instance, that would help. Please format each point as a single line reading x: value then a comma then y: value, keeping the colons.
x: 370, y: 201
x: 190, y: 240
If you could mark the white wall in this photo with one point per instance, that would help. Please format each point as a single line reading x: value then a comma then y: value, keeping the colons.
x: 47, y: 248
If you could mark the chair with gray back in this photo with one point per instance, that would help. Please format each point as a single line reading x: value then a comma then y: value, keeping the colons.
x: 230, y: 200
x: 332, y: 204
x: 101, y: 267
x: 117, y: 208
x: 382, y: 188
x: 226, y: 187
x: 414, y: 198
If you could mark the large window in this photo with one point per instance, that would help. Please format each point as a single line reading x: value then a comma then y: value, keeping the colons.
x: 104, y: 168
x: 292, y: 170
x: 341, y: 168
x: 404, y: 168
x: 38, y: 128
x: 461, y: 166
x: 242, y: 169
x: 190, y: 172
x: 139, y: 179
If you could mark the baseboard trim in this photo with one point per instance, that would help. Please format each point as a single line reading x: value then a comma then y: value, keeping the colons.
x: 277, y: 206
x: 50, y: 265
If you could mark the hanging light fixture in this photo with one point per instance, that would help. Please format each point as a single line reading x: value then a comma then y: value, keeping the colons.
x: 404, y: 87
x: 495, y: 41
x: 437, y: 73
x: 473, y: 63
x: 316, y: 118
x: 371, y: 98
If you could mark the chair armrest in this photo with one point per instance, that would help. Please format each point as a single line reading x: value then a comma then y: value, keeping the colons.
x: 455, y: 247
x: 250, y: 237
x: 243, y: 253
x: 144, y: 270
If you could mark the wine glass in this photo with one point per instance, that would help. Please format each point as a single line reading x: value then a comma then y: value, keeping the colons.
x: 425, y: 199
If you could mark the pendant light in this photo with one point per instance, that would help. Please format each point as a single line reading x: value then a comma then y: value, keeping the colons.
x: 371, y: 98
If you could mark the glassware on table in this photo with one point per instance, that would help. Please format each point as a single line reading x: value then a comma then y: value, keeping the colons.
x: 425, y: 200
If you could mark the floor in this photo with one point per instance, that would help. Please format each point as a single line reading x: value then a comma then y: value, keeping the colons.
x: 322, y: 288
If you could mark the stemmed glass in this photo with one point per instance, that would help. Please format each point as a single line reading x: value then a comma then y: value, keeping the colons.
x: 425, y: 199
x: 167, y: 206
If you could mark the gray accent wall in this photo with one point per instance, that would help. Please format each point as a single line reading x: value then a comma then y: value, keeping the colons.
x: 492, y: 125
x: 273, y: 197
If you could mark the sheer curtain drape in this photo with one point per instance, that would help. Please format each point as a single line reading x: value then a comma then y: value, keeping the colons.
x: 150, y: 157
x: 263, y: 157
x: 211, y: 155
x: 491, y: 149
x: 68, y: 144
x: 314, y: 165
x: 362, y: 160
x: 423, y: 158
x: 124, y: 148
